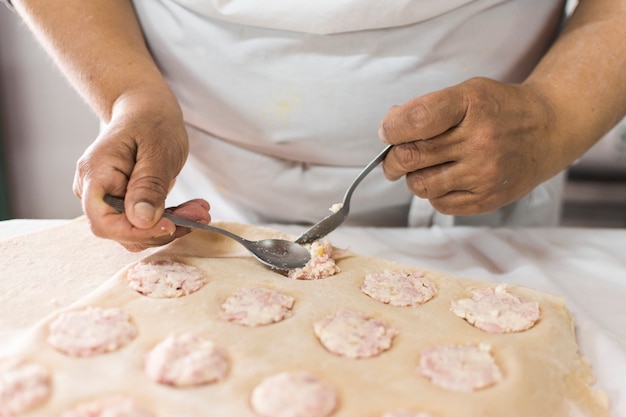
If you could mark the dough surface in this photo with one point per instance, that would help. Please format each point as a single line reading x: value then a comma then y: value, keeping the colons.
x: 543, y: 373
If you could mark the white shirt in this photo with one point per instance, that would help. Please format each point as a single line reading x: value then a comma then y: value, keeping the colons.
x: 283, y: 98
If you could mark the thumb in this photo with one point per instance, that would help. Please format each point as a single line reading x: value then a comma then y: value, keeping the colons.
x: 423, y: 118
x: 147, y: 189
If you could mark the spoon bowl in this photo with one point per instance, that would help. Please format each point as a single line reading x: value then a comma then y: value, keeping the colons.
x: 278, y: 254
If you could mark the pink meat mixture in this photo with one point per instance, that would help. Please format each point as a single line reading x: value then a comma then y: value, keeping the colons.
x: 165, y: 279
x: 399, y: 287
x: 321, y: 265
x: 23, y: 386
x: 297, y: 394
x: 256, y: 306
x: 91, y: 331
x: 495, y: 310
x: 461, y: 368
x: 354, y: 335
x: 186, y: 360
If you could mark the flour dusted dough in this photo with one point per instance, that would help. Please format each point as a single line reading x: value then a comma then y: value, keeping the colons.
x: 405, y: 413
x: 116, y: 406
x: 543, y: 373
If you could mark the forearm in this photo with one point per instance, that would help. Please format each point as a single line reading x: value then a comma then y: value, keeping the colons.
x: 583, y: 76
x: 99, y: 47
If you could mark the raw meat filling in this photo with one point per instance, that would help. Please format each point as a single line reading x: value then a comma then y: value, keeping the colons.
x: 165, y: 279
x: 321, y: 265
x: 353, y: 335
x: 399, y: 288
x: 186, y: 360
x: 464, y: 368
x: 91, y: 331
x: 23, y: 386
x: 256, y: 306
x: 495, y: 310
x: 293, y: 395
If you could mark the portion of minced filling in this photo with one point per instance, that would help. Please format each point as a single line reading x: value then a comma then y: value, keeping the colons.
x: 463, y: 368
x: 186, y: 360
x: 23, y: 386
x: 91, y: 331
x: 336, y: 207
x: 399, y: 287
x: 165, y: 279
x: 495, y: 310
x: 114, y: 406
x: 353, y: 335
x: 293, y: 394
x: 321, y: 265
x: 256, y: 306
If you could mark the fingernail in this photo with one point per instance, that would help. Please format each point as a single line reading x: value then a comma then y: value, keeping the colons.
x: 144, y: 210
x: 381, y: 134
x: 165, y: 232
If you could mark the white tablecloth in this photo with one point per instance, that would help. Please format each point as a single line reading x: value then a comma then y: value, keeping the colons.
x: 585, y: 266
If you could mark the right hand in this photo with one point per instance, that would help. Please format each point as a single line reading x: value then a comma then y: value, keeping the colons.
x: 138, y: 156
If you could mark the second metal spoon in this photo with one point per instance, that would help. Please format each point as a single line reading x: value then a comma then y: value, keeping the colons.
x: 333, y: 220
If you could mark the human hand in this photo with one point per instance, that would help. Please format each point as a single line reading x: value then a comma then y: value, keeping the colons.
x: 138, y: 155
x: 474, y: 147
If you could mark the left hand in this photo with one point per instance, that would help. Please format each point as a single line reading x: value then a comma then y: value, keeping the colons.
x: 474, y: 147
x: 134, y: 239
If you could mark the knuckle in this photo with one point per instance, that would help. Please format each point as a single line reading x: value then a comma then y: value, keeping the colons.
x: 418, y: 184
x: 409, y: 155
x: 418, y: 115
x: 149, y: 185
x: 444, y: 207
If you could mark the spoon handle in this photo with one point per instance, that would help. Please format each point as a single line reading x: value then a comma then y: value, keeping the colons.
x: 181, y: 221
x: 118, y: 204
x: 363, y: 174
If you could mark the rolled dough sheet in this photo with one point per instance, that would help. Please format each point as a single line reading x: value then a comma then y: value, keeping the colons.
x: 544, y: 374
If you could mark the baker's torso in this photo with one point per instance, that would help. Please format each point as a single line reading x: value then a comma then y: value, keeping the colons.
x: 285, y: 98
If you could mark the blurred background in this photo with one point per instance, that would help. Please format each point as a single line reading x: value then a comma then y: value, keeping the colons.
x: 45, y: 126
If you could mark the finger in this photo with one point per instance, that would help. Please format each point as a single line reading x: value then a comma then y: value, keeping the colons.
x: 420, y: 154
x: 456, y: 203
x: 196, y: 210
x: 439, y: 180
x: 473, y: 200
x: 108, y: 223
x: 148, y: 186
x: 465, y: 203
x: 423, y: 117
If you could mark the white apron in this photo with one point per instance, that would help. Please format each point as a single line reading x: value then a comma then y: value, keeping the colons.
x: 283, y: 98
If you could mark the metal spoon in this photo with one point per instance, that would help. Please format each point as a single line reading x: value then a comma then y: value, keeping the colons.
x: 333, y: 220
x: 276, y: 253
